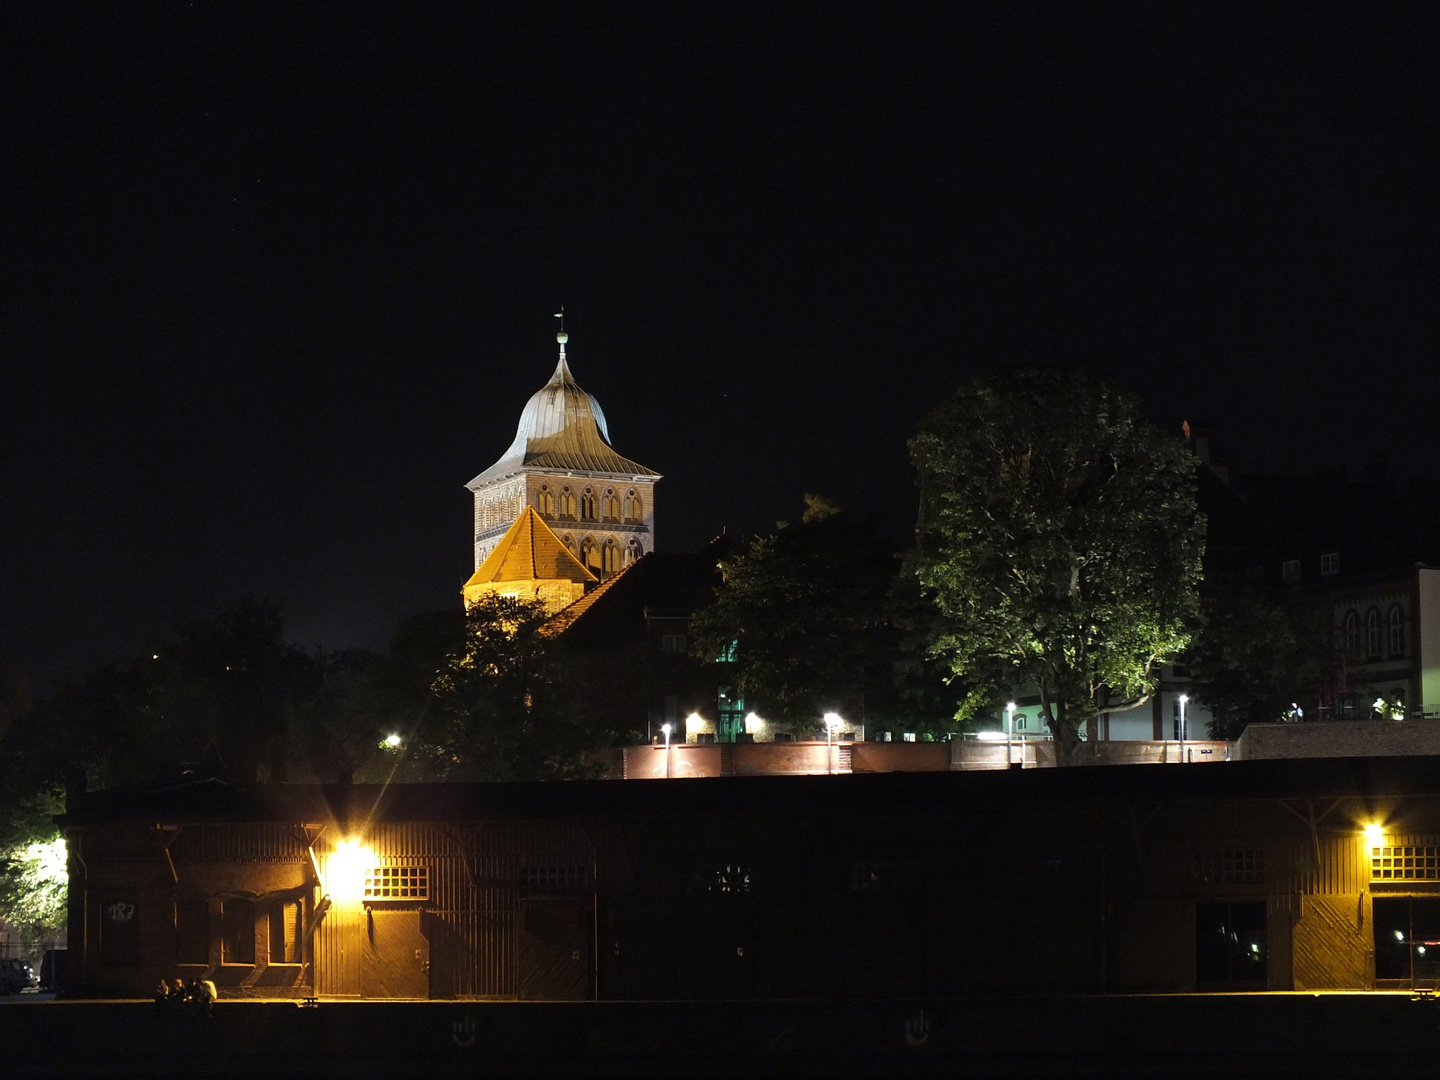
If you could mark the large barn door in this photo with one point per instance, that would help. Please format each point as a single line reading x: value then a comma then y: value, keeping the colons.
x: 338, y: 946
x: 555, y: 949
x: 397, y: 956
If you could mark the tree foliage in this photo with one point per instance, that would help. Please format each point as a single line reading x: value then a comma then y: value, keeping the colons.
x: 1259, y: 655
x: 801, y: 613
x: 507, y: 708
x: 1059, y: 541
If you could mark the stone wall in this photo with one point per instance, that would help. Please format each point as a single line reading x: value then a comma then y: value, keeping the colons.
x: 1341, y: 738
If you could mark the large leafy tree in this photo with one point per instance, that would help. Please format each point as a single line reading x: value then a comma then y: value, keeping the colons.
x: 801, y: 614
x: 505, y: 707
x: 1059, y: 541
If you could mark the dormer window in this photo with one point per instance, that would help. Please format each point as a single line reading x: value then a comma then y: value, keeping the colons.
x: 1330, y: 564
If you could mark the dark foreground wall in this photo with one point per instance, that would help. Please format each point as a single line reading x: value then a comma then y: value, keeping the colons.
x: 1333, y: 1035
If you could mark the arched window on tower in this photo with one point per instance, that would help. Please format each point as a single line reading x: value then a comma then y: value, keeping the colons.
x: 1372, y: 634
x: 587, y: 505
x: 1352, y: 634
x: 610, y: 557
x: 611, y: 505
x: 569, y: 542
x: 632, y: 508
x: 1396, y: 628
x: 632, y: 551
x: 545, y: 502
x: 590, y: 553
x: 567, y: 503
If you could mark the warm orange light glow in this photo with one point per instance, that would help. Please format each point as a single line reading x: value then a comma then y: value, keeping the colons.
x: 345, y: 871
x: 1374, y: 833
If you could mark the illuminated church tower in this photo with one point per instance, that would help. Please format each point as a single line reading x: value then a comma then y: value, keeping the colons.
x: 561, y: 464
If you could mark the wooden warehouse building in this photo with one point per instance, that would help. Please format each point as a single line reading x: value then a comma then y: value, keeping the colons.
x: 1240, y: 876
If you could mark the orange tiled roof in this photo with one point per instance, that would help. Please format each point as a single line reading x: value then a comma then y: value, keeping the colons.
x: 530, y: 551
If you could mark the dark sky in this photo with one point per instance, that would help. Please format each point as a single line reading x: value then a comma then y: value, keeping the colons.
x: 278, y: 280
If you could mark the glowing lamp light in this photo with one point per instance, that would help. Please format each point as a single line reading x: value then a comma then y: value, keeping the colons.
x: 753, y: 723
x: 990, y: 736
x: 1374, y: 833
x: 392, y: 741
x: 694, y: 724
x: 832, y: 721
x: 345, y: 871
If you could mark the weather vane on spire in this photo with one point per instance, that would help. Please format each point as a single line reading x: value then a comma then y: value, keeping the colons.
x: 562, y: 337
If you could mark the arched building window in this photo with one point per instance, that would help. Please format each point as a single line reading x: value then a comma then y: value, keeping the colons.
x: 545, y: 502
x: 590, y: 553
x: 610, y: 557
x: 569, y: 542
x: 632, y: 508
x: 1396, y: 628
x: 611, y: 505
x: 567, y: 503
x: 632, y: 551
x: 1352, y: 634
x: 1372, y: 634
x: 587, y: 505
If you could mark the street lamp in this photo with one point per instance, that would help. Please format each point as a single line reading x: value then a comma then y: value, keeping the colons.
x: 1183, y: 699
x: 1010, y: 735
x: 666, y: 729
x: 832, y: 724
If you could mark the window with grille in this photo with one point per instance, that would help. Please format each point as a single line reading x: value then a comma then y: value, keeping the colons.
x: 397, y: 883
x: 1405, y: 863
x: 1231, y: 866
x: 552, y: 880
x: 1290, y: 570
x: 1330, y: 564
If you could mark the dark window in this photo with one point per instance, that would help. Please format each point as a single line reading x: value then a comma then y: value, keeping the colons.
x: 1352, y: 633
x: 883, y: 876
x: 192, y: 932
x: 237, y: 932
x: 731, y: 879
x: 538, y: 881
x: 1372, y: 633
x: 1230, y: 866
x: 119, y: 932
x: 1290, y: 570
x: 285, y: 932
x: 1230, y: 944
x: 1407, y: 938
x: 1397, y: 631
x: 1330, y: 564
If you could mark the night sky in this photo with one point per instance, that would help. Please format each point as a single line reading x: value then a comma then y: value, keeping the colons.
x: 277, y: 281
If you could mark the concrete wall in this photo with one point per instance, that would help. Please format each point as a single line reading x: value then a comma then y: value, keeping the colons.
x: 1345, y: 738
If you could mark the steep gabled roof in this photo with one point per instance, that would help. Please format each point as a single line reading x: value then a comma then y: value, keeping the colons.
x: 530, y: 551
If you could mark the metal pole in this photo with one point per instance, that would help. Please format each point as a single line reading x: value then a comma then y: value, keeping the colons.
x: 1183, y: 698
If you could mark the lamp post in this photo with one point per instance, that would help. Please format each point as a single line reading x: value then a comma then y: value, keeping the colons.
x: 1010, y: 735
x: 666, y: 729
x: 1183, y: 699
x: 832, y: 722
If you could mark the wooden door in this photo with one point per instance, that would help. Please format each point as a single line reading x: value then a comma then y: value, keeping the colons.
x: 555, y: 949
x: 396, y: 956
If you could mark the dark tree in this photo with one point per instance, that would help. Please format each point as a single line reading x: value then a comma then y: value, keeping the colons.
x: 800, y: 613
x: 1059, y: 540
x: 1261, y: 657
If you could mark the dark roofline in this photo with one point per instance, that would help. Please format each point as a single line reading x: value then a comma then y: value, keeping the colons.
x: 883, y: 794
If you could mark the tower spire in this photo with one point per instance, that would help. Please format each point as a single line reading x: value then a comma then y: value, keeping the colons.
x: 562, y: 337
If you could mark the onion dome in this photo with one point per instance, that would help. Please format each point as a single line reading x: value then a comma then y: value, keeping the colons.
x: 561, y: 428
